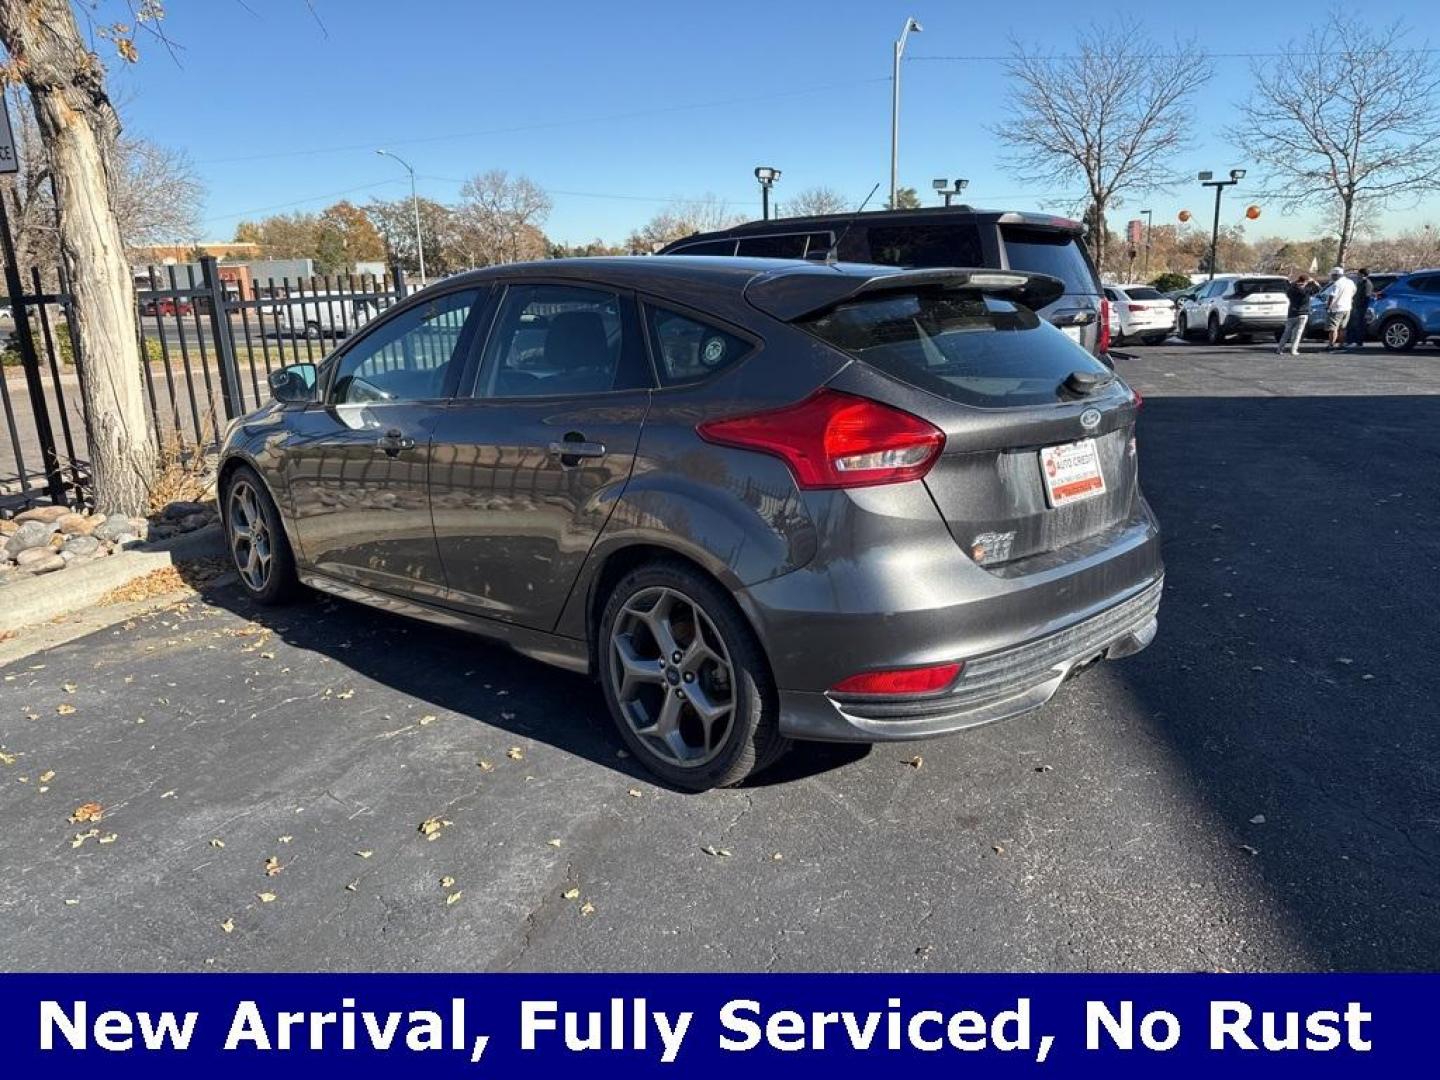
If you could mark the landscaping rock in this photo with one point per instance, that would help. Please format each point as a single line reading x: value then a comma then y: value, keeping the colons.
x: 48, y: 562
x: 111, y: 528
x: 57, y: 540
x: 31, y: 534
x: 43, y: 513
x: 31, y: 556
x: 70, y: 524
x: 82, y: 546
x: 177, y: 511
x: 125, y: 540
x: 7, y: 527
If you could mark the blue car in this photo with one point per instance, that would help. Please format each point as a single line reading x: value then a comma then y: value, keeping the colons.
x: 1407, y: 311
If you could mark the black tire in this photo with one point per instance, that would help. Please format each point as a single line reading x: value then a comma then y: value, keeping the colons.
x: 751, y: 740
x: 1155, y: 339
x: 1214, y: 335
x: 280, y: 584
x: 1399, y: 334
x: 1182, y: 327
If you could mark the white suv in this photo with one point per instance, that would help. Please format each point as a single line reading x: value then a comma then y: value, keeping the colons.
x: 1141, y: 313
x: 1236, y: 304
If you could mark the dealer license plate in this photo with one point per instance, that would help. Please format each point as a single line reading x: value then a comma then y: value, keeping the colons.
x: 1072, y: 472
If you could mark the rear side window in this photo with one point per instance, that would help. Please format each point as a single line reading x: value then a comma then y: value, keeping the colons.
x: 707, y: 247
x: 1430, y: 283
x: 688, y: 350
x: 958, y: 344
x: 554, y: 339
x: 774, y: 247
x: 925, y: 245
x: 1050, y: 251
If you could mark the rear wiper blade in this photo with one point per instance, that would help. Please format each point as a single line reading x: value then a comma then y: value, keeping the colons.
x: 1085, y: 383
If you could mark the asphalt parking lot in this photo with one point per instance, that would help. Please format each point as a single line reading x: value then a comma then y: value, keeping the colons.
x: 1259, y: 790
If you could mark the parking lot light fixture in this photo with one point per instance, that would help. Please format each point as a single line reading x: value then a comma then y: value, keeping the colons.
x: 415, y: 207
x: 1207, y: 180
x: 948, y: 188
x: 767, y: 175
x: 911, y: 26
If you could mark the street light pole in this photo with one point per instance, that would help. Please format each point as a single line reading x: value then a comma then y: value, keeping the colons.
x: 415, y: 208
x: 767, y: 175
x: 910, y: 25
x: 1149, y: 224
x: 1236, y: 175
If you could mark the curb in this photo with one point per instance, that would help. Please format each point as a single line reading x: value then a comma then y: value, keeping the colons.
x: 39, y: 599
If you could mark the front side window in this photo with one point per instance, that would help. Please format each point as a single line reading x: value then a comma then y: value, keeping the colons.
x: 707, y: 247
x: 553, y: 339
x: 407, y: 357
x: 688, y: 350
x: 959, y: 344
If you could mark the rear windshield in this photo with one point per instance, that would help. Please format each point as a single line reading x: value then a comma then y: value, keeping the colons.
x: 1144, y: 294
x: 1251, y: 286
x: 1049, y: 251
x: 958, y: 344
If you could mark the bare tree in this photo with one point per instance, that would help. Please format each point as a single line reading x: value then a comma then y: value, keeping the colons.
x: 1111, y: 114
x: 817, y: 200
x: 79, y: 128
x: 157, y: 195
x: 1347, y: 116
x: 499, y: 218
x: 681, y: 218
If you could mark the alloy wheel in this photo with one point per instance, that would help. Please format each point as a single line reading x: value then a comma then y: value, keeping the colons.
x: 672, y: 676
x: 1397, y: 334
x: 249, y: 535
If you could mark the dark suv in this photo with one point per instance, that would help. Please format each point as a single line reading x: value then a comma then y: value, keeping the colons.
x: 759, y: 500
x: 934, y: 237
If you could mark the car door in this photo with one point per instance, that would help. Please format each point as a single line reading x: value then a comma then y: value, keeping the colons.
x: 356, y: 465
x: 528, y: 463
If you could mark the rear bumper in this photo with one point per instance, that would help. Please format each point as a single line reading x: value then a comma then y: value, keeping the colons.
x: 994, y: 687
x: 1254, y: 323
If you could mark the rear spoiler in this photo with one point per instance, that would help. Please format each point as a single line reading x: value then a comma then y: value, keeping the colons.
x: 789, y: 295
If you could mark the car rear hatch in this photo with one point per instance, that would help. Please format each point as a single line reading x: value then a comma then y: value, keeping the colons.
x: 1260, y: 298
x: 1042, y: 244
x: 1039, y: 459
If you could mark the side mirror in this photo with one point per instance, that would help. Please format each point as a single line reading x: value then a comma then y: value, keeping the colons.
x: 294, y: 384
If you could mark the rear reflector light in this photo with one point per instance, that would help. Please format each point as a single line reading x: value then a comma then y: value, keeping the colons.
x: 898, y: 681
x: 1138, y: 307
x: 835, y: 440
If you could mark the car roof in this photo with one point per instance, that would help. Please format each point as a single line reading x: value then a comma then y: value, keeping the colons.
x: 916, y: 216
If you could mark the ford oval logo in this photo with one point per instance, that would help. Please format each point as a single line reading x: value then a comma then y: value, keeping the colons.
x: 1090, y: 419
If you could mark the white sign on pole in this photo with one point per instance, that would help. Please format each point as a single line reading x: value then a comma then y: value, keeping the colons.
x: 9, y: 153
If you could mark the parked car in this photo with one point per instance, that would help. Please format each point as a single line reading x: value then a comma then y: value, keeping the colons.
x: 1238, y: 304
x: 1315, y: 323
x: 1405, y: 310
x: 317, y: 315
x: 759, y: 500
x: 1143, y: 313
x: 935, y: 237
x: 167, y: 305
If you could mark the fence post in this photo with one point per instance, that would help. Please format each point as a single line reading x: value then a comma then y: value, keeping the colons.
x: 397, y: 280
x: 30, y: 361
x: 230, y: 393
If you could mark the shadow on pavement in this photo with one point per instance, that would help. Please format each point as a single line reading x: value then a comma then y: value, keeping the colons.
x: 1294, y: 674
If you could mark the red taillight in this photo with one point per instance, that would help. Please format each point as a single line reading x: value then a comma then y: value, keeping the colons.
x: 835, y: 440
x: 1138, y: 307
x: 1103, y: 346
x: 915, y: 680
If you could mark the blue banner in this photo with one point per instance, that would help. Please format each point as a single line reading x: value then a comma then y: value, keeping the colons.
x: 666, y: 1025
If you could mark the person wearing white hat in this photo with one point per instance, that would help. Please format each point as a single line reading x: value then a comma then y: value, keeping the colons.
x: 1337, y: 307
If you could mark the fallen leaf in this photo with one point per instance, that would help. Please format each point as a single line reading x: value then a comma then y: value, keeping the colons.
x: 272, y: 866
x: 64, y: 708
x: 446, y: 881
x: 430, y: 827
x: 1044, y: 768
x: 997, y: 849
x: 454, y: 896
x: 1249, y: 850
x: 354, y: 885
x: 587, y: 908
x: 69, y: 687
x: 71, y: 903
x: 553, y: 843
x: 345, y: 695
x: 47, y: 776
x: 515, y: 754
x: 635, y: 793
x: 216, y: 842
x: 81, y: 837
x: 266, y: 897
x: 1258, y: 819
x: 777, y: 856
x: 7, y: 759
x: 168, y: 795
x: 485, y: 766
x: 571, y: 894
x: 110, y: 839
x: 914, y: 762
x: 285, y: 839
x: 228, y: 925
x: 367, y: 854
x: 427, y: 719
x: 90, y: 811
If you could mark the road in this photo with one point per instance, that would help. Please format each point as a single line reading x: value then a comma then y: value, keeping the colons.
x: 1259, y: 790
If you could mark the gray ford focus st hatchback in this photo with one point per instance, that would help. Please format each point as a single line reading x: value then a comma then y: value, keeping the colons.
x: 758, y: 500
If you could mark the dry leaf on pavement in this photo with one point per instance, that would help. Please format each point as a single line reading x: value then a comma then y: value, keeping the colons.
x: 266, y: 897
x: 571, y: 894
x: 90, y: 811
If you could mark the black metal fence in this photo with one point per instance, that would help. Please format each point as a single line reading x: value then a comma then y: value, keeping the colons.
x: 207, y: 342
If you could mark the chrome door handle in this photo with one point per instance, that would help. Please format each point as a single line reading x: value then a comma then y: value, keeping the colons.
x: 393, y: 441
x: 568, y: 449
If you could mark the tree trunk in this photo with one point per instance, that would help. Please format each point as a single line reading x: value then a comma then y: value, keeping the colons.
x: 78, y: 127
x: 1347, y: 228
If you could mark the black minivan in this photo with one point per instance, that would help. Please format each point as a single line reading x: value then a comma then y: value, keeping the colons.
x: 934, y: 237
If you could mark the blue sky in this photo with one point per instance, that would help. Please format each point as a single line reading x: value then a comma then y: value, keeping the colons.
x: 616, y: 107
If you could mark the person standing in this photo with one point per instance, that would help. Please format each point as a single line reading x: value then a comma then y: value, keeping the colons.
x: 1356, y: 328
x: 1337, y: 308
x: 1298, y: 292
